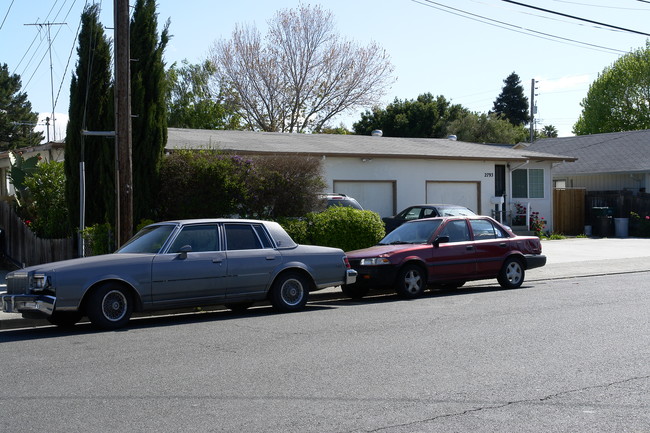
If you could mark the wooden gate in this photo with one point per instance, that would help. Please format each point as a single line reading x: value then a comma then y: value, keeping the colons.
x: 569, y: 211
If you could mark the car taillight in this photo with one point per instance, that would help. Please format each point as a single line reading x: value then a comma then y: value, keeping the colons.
x: 347, y: 262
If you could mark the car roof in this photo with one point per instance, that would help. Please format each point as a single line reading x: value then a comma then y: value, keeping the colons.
x: 212, y: 220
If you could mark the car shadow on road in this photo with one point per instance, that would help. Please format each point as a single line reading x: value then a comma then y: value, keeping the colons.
x: 142, y: 322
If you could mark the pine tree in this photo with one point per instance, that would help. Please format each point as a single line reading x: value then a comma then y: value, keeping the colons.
x: 511, y: 104
x: 17, y: 120
x: 91, y: 108
x: 148, y: 105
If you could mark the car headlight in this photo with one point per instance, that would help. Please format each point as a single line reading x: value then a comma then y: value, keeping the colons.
x: 375, y: 261
x: 41, y: 282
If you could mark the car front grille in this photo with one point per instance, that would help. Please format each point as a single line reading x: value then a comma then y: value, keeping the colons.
x: 17, y: 283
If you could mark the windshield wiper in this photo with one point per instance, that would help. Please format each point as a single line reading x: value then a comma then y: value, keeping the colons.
x: 400, y: 243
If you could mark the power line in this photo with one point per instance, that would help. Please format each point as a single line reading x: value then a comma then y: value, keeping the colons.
x: 512, y: 27
x: 6, y: 15
x: 577, y: 18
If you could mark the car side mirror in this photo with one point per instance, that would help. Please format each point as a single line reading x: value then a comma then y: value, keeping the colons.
x: 182, y: 253
x: 440, y: 240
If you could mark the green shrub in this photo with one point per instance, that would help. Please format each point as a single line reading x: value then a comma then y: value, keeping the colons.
x: 44, y: 201
x: 99, y: 239
x: 345, y: 228
x: 297, y: 229
x: 639, y: 225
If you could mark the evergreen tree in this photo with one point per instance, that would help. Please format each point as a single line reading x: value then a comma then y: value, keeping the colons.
x: 91, y: 108
x: 148, y: 105
x: 17, y: 120
x: 511, y: 104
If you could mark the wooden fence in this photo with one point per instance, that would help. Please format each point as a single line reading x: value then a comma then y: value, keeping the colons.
x: 575, y: 208
x: 23, y: 248
x: 569, y: 211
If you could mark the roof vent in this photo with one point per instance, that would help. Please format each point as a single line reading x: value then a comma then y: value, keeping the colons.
x: 452, y: 137
x: 377, y: 133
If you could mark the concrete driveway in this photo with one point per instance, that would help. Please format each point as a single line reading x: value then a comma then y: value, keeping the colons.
x: 566, y: 258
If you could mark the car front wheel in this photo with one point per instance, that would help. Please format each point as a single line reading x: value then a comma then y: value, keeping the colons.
x: 411, y: 282
x: 110, y: 307
x: 512, y: 274
x: 289, y: 292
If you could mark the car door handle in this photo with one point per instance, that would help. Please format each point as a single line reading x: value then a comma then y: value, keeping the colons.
x: 503, y: 245
x: 270, y: 257
x: 469, y: 247
x: 217, y: 261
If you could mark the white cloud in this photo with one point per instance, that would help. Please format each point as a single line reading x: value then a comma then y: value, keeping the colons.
x: 574, y: 82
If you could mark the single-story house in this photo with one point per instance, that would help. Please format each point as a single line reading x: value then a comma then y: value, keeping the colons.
x: 387, y: 174
x: 614, y: 161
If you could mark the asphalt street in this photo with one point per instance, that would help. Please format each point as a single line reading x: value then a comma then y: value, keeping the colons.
x: 566, y: 258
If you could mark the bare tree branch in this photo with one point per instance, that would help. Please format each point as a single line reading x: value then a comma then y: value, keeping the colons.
x: 303, y: 75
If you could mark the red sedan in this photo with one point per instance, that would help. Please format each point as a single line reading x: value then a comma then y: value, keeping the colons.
x: 445, y: 252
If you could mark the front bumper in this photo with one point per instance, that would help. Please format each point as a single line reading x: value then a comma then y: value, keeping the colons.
x: 42, y: 304
x: 535, y: 260
x: 376, y: 277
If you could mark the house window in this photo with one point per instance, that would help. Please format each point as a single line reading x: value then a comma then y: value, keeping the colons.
x: 528, y: 183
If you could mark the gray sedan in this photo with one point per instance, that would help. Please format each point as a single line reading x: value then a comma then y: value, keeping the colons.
x: 175, y: 264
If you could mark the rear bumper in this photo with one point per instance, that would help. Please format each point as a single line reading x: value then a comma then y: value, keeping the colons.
x: 42, y: 304
x: 350, y: 276
x: 535, y: 261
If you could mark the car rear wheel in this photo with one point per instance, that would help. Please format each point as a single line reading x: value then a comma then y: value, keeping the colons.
x: 110, y: 307
x: 65, y: 319
x: 512, y: 274
x: 355, y: 291
x: 289, y: 292
x: 411, y: 282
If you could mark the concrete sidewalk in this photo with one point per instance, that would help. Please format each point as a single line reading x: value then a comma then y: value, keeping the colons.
x: 566, y: 258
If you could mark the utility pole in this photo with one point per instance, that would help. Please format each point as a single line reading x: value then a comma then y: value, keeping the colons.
x: 123, y: 164
x: 49, y: 49
x: 533, y: 109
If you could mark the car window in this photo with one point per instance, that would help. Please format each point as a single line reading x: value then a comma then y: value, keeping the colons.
x: 148, y: 240
x: 429, y: 213
x: 456, y: 230
x: 411, y: 213
x: 264, y: 238
x: 201, y: 238
x: 483, y: 229
x: 241, y: 237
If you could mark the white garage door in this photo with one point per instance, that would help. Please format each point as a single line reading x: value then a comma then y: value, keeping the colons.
x: 375, y: 196
x: 462, y: 193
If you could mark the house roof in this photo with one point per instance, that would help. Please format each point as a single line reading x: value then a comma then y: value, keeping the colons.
x: 249, y: 142
x: 614, y: 152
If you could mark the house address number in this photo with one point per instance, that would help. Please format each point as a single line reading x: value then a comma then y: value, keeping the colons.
x: 489, y: 174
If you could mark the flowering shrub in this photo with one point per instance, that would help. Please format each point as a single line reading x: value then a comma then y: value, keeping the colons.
x: 639, y: 225
x: 536, y: 222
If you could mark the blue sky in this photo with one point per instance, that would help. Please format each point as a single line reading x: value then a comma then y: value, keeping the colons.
x: 463, y: 53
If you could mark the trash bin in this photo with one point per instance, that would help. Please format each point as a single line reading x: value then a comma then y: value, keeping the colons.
x: 621, y: 227
x: 602, y: 224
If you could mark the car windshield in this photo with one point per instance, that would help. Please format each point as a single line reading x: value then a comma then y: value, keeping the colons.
x: 416, y: 232
x: 455, y: 211
x: 148, y: 240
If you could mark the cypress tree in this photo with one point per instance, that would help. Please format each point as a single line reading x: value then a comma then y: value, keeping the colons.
x: 17, y: 120
x: 511, y: 104
x: 91, y: 108
x: 148, y: 105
